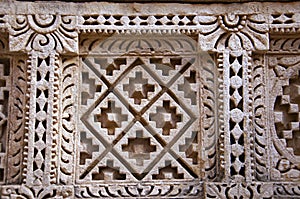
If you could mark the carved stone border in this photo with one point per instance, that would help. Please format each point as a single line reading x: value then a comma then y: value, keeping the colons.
x: 247, y: 32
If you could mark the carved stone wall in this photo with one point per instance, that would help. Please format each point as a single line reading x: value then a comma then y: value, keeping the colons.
x: 103, y: 100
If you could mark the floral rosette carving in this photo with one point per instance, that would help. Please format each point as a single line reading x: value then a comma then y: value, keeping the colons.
x: 43, y: 33
x: 218, y: 32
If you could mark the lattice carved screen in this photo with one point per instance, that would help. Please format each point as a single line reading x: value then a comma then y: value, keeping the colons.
x: 103, y: 100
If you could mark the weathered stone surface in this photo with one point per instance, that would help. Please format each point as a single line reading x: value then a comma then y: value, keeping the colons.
x: 133, y: 100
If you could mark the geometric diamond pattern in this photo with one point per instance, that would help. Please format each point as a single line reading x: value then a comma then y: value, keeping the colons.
x: 137, y: 117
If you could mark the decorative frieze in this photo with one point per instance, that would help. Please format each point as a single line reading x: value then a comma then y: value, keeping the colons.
x: 104, y: 100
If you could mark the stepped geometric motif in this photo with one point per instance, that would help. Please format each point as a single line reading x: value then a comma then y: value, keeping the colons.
x: 285, y: 73
x: 139, y: 115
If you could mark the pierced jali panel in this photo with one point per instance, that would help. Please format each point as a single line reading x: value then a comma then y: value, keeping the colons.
x: 139, y: 113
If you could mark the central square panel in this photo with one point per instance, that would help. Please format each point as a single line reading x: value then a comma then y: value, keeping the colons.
x: 139, y: 109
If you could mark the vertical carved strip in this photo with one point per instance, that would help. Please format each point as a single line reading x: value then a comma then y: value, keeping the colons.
x: 212, y: 115
x: 248, y: 107
x: 42, y: 124
x: 55, y: 121
x: 236, y: 104
x: 5, y: 84
x: 221, y: 112
x: 17, y: 121
x: 26, y: 128
x: 225, y: 57
x: 68, y: 119
x: 259, y: 118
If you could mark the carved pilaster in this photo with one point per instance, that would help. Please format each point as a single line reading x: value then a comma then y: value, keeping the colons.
x: 42, y: 33
x: 41, y: 138
x: 234, y: 37
x: 44, y: 38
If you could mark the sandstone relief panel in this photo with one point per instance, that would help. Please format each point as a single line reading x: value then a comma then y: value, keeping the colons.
x: 103, y: 100
x: 139, y: 107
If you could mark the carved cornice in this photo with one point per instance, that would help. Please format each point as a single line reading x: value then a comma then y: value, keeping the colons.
x: 248, y: 29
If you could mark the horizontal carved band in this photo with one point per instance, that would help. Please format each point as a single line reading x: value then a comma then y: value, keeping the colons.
x: 158, y: 190
x: 44, y: 32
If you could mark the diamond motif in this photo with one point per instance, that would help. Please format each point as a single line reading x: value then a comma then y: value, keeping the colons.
x: 185, y: 20
x: 108, y: 118
x: 236, y: 97
x: 111, y: 20
x: 101, y: 19
x: 236, y: 66
x: 167, y: 117
x: 175, y: 19
x: 164, y: 20
x: 138, y: 87
x: 237, y: 150
x: 236, y: 132
x: 237, y: 165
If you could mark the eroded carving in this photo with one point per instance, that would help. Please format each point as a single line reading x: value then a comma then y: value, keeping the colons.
x: 188, y: 189
x: 5, y: 84
x: 284, y: 71
x: 133, y: 112
x: 41, y: 138
x: 232, y: 30
x: 259, y: 118
x: 67, y: 119
x: 17, y: 121
x: 145, y: 114
x: 42, y: 32
x: 237, y: 190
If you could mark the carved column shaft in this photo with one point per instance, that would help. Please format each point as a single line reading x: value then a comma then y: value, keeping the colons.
x: 41, y: 139
x: 236, y: 105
